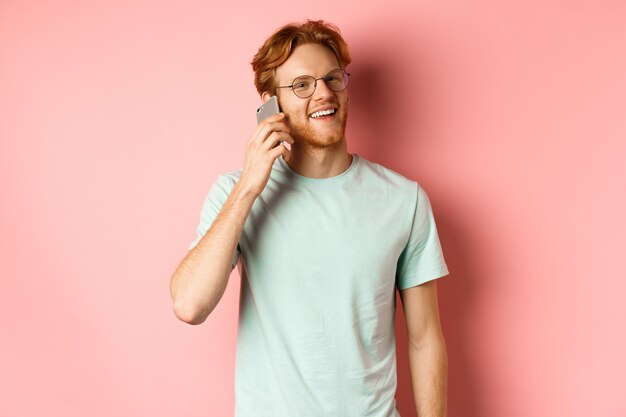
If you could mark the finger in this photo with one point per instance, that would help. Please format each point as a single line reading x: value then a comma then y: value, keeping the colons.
x: 263, y: 131
x: 279, y: 150
x: 280, y: 125
x: 274, y: 118
x: 275, y: 139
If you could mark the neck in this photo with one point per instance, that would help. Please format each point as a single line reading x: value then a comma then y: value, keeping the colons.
x: 315, y: 162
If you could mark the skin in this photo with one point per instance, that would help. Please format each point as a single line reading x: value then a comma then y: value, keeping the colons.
x: 428, y: 360
x: 318, y: 150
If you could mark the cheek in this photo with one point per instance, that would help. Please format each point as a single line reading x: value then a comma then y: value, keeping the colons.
x: 299, y: 115
x: 293, y: 109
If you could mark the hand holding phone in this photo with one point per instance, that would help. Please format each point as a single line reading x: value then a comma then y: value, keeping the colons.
x: 268, y: 142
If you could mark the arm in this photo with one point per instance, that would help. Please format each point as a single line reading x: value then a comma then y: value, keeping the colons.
x: 427, y: 349
x: 199, y: 281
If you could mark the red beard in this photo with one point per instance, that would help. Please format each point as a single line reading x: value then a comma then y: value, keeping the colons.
x: 305, y: 134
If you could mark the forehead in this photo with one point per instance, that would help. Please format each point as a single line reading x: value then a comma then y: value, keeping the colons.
x: 308, y: 59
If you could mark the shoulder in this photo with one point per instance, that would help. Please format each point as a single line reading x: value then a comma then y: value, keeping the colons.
x: 228, y: 180
x: 388, y: 178
x: 221, y: 187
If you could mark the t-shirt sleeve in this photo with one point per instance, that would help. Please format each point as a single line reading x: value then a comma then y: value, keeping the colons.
x: 213, y: 203
x: 422, y: 258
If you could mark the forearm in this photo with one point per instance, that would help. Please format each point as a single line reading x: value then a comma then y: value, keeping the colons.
x: 428, y: 362
x: 201, y: 278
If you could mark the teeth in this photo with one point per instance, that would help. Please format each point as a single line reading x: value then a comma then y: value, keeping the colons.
x: 322, y: 113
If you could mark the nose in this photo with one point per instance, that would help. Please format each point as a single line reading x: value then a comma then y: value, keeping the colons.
x: 322, y: 91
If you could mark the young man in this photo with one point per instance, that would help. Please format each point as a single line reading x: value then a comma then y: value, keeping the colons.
x: 322, y: 239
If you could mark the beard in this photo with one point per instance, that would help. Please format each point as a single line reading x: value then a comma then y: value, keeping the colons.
x: 305, y: 134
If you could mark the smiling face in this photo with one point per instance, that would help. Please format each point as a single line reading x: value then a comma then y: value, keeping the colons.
x: 320, y: 131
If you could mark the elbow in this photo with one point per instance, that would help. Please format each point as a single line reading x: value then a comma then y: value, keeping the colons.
x: 185, y: 310
x: 189, y: 314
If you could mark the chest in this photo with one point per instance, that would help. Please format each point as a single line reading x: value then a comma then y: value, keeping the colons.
x: 317, y: 236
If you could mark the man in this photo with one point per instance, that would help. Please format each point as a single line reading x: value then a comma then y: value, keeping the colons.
x: 322, y: 239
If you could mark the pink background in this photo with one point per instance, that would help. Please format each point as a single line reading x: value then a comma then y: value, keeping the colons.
x: 116, y: 118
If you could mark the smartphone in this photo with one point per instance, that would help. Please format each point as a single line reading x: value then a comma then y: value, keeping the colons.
x: 267, y: 109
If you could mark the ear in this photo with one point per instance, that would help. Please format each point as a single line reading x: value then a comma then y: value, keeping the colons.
x: 265, y: 96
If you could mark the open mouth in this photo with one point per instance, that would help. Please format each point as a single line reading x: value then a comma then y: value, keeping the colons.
x: 323, y: 114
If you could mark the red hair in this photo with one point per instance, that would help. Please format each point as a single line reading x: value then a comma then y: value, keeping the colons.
x: 278, y: 47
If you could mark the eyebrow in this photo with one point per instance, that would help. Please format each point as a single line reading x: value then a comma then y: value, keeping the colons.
x: 327, y: 72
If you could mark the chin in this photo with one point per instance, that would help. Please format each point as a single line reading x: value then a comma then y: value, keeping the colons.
x: 319, y: 140
x: 313, y: 138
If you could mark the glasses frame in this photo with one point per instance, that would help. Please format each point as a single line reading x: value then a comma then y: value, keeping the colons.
x: 315, y: 80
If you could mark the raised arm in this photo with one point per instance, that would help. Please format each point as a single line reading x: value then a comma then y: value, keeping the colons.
x: 199, y: 281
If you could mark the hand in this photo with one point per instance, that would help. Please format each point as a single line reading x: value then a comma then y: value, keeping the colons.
x: 262, y: 149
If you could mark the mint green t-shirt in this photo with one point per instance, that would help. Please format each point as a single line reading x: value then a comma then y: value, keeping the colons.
x: 320, y: 261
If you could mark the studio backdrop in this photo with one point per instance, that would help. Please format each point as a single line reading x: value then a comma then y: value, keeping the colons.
x: 116, y: 117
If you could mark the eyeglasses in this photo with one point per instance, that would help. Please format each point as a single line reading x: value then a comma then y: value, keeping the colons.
x: 305, y: 85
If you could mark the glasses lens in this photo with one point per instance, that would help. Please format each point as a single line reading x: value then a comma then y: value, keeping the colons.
x: 336, y: 80
x: 304, y: 86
